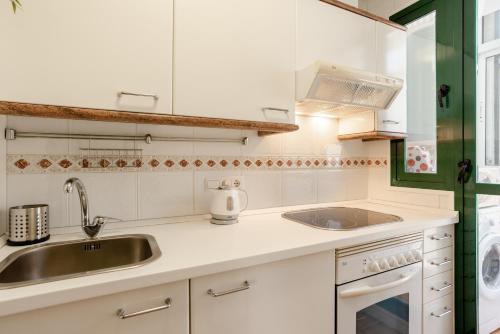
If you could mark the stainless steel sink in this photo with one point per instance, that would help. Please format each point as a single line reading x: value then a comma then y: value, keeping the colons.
x: 62, y: 260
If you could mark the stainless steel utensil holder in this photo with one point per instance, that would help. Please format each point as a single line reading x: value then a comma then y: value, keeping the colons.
x: 28, y: 224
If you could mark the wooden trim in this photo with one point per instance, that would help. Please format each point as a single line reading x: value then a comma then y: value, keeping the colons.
x: 364, y: 13
x: 373, y: 135
x: 51, y: 111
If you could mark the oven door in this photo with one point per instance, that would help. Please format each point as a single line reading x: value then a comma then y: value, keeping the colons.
x: 387, y: 303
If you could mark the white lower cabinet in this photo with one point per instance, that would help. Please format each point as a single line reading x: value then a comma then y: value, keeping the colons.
x: 438, y: 316
x: 100, y: 315
x: 293, y: 296
x: 438, y: 284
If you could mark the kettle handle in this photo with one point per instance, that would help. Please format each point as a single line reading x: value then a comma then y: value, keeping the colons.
x: 246, y: 199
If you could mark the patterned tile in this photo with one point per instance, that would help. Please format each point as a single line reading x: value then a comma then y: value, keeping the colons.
x: 39, y: 164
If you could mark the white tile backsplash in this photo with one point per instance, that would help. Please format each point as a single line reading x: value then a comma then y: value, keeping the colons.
x: 202, y: 148
x: 40, y: 189
x: 165, y: 147
x: 300, y: 142
x: 203, y: 195
x: 165, y: 194
x: 35, y: 146
x: 264, y: 188
x: 299, y: 187
x: 108, y: 128
x: 142, y: 195
x: 110, y: 194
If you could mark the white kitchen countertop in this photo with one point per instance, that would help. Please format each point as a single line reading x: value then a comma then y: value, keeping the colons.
x: 194, y: 247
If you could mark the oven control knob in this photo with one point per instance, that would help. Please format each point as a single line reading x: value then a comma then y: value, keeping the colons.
x: 384, y: 264
x: 375, y: 267
x: 410, y: 258
x: 417, y: 255
x: 402, y: 260
x: 393, y: 262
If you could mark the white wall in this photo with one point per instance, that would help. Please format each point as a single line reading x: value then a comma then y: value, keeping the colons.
x: 3, y: 178
x: 385, y: 8
x: 132, y: 195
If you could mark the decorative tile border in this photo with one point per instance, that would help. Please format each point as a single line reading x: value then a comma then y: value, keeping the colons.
x: 36, y: 164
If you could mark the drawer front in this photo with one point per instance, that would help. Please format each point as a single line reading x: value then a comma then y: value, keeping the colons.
x: 438, y: 261
x: 439, y: 316
x: 438, y: 286
x: 439, y: 237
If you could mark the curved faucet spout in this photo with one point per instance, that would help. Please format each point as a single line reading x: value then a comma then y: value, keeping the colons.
x: 91, y: 229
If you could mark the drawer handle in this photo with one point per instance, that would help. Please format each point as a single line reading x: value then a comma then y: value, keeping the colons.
x: 286, y: 111
x: 244, y: 286
x: 154, y: 96
x: 445, y: 313
x: 122, y: 315
x: 445, y: 236
x: 439, y: 264
x: 446, y: 286
x: 389, y: 121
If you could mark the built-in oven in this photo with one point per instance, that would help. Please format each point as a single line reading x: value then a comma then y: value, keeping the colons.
x: 379, y: 287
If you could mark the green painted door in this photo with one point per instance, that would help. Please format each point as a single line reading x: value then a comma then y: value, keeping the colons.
x: 443, y: 136
x: 481, y: 200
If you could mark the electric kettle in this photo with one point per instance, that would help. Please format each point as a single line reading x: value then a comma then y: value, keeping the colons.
x: 226, y: 205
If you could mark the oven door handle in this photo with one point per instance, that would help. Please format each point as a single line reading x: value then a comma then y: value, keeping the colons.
x: 366, y: 290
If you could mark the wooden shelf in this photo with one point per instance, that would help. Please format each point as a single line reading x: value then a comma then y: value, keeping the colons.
x: 373, y: 135
x: 51, y: 111
x: 364, y: 13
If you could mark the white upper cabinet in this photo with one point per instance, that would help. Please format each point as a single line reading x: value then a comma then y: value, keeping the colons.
x: 235, y: 59
x: 391, y: 61
x: 332, y: 34
x: 83, y: 53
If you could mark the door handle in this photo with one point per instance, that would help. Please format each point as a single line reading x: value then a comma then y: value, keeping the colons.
x: 439, y: 264
x: 443, y: 93
x: 153, y: 96
x: 365, y: 290
x: 440, y: 315
x: 122, y: 315
x: 445, y: 236
x: 244, y: 286
x: 446, y: 286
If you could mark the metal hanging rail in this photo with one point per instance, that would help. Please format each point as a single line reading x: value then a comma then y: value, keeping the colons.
x: 12, y: 134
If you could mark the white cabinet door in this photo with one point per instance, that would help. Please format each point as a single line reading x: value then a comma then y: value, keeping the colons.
x: 391, y: 61
x: 332, y: 34
x: 99, y: 315
x: 288, y: 297
x: 82, y: 53
x: 235, y: 58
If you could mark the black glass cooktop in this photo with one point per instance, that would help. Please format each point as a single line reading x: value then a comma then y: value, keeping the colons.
x: 340, y: 218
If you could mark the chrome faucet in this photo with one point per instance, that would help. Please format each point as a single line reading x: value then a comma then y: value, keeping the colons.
x: 93, y: 228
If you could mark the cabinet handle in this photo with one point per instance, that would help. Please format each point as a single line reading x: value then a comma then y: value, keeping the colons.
x: 154, y: 96
x: 446, y: 312
x: 439, y: 264
x: 245, y: 286
x: 286, y: 111
x: 446, y: 286
x: 122, y: 315
x: 445, y: 236
x: 388, y: 121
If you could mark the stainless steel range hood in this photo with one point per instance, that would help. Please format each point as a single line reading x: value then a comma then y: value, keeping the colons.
x: 339, y: 91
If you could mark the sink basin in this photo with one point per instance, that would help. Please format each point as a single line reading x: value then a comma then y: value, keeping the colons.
x: 69, y: 259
